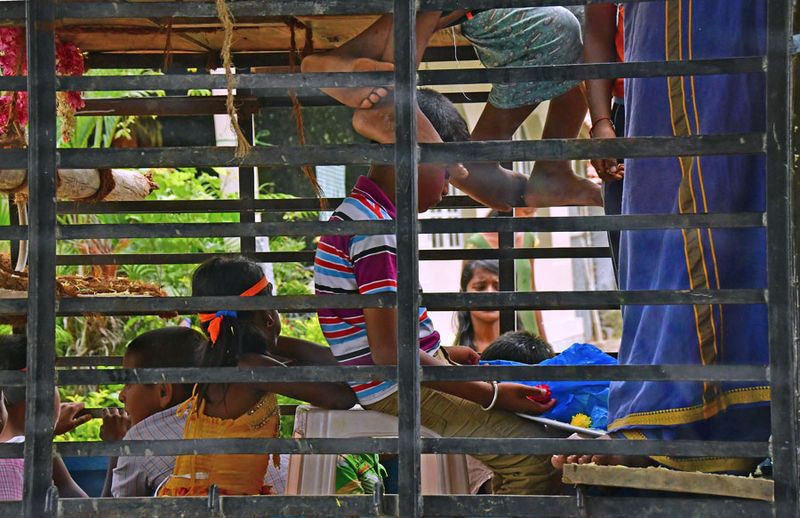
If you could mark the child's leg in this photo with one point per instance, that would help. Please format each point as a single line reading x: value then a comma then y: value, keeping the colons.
x: 450, y: 416
x: 553, y: 182
x: 371, y: 51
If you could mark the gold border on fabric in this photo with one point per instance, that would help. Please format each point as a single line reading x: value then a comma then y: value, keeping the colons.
x: 687, y: 201
x: 686, y: 415
x: 702, y: 464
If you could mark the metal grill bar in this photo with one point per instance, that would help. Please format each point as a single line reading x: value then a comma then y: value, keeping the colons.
x: 406, y: 157
x: 67, y: 377
x: 41, y: 326
x: 278, y: 82
x: 431, y: 153
x: 307, y: 256
x: 364, y: 505
x: 427, y: 226
x: 782, y: 267
x: 307, y: 446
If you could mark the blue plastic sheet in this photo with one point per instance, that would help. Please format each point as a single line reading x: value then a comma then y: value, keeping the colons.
x: 575, y: 397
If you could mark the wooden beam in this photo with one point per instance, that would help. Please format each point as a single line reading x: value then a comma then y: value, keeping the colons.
x: 662, y: 479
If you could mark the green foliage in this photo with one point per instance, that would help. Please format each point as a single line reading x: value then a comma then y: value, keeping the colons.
x: 101, y: 131
x: 103, y: 397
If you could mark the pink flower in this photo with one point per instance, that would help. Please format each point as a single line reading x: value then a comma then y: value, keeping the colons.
x: 69, y: 62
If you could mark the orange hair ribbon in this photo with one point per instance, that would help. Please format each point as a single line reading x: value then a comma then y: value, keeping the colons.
x: 214, y: 320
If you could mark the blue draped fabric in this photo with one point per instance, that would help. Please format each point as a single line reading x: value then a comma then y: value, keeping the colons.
x: 694, y: 258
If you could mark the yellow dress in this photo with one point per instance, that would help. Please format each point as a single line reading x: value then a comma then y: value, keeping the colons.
x: 232, y: 474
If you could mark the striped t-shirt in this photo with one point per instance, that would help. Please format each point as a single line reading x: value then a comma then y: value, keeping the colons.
x: 366, y: 265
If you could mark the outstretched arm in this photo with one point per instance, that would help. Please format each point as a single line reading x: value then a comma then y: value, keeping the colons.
x: 381, y: 333
x: 304, y: 352
x: 337, y: 396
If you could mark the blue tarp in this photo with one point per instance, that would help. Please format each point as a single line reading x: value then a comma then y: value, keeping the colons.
x: 575, y: 397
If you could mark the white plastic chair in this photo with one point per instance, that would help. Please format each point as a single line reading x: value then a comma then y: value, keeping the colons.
x: 316, y: 474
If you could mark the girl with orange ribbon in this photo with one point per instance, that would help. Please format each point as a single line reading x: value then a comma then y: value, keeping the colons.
x: 246, y: 339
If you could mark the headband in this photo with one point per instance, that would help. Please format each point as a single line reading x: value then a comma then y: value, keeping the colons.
x: 214, y: 320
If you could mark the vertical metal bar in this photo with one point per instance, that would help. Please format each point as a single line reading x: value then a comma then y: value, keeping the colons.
x: 505, y: 241
x: 780, y: 247
x: 406, y: 156
x: 40, y: 40
x: 247, y: 182
x: 13, y: 220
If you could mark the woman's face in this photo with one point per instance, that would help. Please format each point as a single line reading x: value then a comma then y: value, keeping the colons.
x: 484, y: 281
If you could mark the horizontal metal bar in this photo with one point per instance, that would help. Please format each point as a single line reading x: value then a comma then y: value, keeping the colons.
x: 253, y: 10
x: 282, y: 81
x: 433, y: 301
x: 592, y: 223
x: 434, y: 505
x: 598, y: 372
x: 317, y: 374
x: 469, y: 445
x: 237, y: 446
x: 89, y: 361
x: 449, y: 152
x: 512, y: 446
x: 95, y: 60
x: 11, y: 83
x: 582, y: 71
x: 171, y: 105
x: 307, y: 256
x: 599, y: 506
x: 427, y: 226
x: 201, y: 206
x: 587, y: 299
x: 671, y: 373
x: 185, y: 230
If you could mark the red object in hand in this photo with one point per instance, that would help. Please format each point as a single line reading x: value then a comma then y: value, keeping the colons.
x: 544, y: 397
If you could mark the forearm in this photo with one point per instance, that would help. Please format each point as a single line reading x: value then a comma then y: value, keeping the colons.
x: 335, y: 396
x: 67, y: 488
x: 112, y: 463
x: 304, y: 352
x: 479, y: 392
x: 599, y: 47
x: 327, y: 395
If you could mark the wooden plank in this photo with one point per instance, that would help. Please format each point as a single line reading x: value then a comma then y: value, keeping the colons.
x: 662, y: 479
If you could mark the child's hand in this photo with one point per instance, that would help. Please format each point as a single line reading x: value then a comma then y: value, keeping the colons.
x: 463, y: 355
x: 116, y: 424
x: 70, y: 416
x: 516, y: 397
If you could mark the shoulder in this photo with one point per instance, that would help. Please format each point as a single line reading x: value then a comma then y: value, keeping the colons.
x: 167, y: 424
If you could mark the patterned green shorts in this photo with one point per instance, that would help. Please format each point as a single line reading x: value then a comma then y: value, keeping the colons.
x: 522, y: 38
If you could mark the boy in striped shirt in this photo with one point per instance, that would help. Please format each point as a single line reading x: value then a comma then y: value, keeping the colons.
x: 366, y: 264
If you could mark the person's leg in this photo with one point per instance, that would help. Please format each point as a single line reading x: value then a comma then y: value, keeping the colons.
x: 371, y: 51
x: 553, y: 182
x: 450, y: 416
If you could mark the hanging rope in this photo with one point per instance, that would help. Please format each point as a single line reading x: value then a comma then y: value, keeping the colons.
x: 309, y: 171
x: 242, y: 144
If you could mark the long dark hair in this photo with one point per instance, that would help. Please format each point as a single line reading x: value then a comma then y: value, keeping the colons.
x: 465, y: 333
x: 239, y: 334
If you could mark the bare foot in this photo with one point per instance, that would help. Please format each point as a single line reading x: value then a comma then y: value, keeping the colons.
x: 553, y: 184
x: 631, y: 461
x: 363, y: 97
x: 378, y: 124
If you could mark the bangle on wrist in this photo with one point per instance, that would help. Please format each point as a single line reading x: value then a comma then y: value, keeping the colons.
x: 494, y: 397
x: 601, y: 119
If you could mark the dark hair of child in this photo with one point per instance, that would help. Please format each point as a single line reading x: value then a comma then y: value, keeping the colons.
x: 465, y: 333
x: 13, y: 357
x: 239, y: 332
x: 169, y: 347
x: 519, y: 346
x: 442, y: 114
